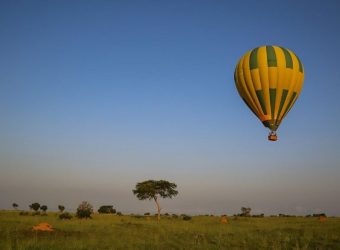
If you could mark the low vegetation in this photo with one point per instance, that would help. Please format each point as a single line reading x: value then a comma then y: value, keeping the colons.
x: 65, y: 216
x: 200, y: 232
x: 109, y: 229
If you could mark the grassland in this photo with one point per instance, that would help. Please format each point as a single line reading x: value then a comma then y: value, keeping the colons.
x: 202, y: 232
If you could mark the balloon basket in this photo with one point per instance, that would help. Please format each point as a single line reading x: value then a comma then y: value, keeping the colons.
x: 272, y: 136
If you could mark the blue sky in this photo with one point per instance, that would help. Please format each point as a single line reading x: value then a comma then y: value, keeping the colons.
x: 98, y: 95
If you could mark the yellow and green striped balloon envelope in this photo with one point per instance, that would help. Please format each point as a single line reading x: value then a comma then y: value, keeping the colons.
x: 269, y: 79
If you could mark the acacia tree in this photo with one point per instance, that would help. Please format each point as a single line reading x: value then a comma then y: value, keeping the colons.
x: 245, y: 211
x: 15, y: 206
x: 35, y: 206
x: 61, y: 208
x: 152, y: 189
x: 44, y: 208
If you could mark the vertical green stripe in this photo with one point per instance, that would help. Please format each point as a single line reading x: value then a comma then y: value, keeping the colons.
x: 300, y: 65
x: 272, y: 94
x: 288, y: 57
x: 259, y: 94
x: 271, y: 56
x: 292, y: 98
x: 253, y: 64
x: 283, y: 99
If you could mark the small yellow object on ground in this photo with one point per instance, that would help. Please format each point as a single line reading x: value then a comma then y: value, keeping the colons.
x: 224, y: 219
x: 322, y: 218
x: 44, y: 226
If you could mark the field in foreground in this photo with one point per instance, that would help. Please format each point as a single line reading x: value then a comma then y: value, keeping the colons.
x: 202, y: 232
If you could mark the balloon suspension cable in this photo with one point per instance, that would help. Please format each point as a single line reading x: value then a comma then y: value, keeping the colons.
x: 272, y: 136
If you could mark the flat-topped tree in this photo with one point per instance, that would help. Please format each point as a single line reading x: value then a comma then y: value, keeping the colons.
x: 245, y: 211
x: 15, y: 206
x: 61, y: 208
x: 44, y: 208
x: 35, y: 206
x: 152, y: 189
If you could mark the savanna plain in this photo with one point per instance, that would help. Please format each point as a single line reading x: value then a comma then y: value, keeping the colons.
x: 107, y: 231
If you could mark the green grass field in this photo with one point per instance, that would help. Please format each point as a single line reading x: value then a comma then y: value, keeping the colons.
x: 202, y: 232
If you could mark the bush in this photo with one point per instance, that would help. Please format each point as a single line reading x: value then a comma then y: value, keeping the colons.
x: 65, y: 216
x: 24, y: 213
x: 175, y: 216
x: 84, y: 210
x: 187, y: 217
x: 108, y: 209
x: 146, y: 214
x: 36, y: 213
x: 119, y: 214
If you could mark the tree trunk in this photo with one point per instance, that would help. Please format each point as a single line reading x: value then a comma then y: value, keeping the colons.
x: 158, y: 208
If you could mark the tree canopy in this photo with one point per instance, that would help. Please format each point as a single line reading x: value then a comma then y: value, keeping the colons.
x: 61, y: 208
x: 35, y: 206
x: 44, y: 208
x: 152, y: 189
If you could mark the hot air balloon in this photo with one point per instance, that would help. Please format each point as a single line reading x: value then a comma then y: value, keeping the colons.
x: 269, y: 79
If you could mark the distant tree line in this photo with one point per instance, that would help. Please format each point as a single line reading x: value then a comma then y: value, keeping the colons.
x: 146, y: 190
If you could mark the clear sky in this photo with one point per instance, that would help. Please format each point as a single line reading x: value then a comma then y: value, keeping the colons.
x: 98, y: 95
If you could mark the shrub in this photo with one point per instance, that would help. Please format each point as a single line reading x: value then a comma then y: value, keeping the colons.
x: 187, y: 217
x: 174, y: 216
x: 108, y: 209
x: 65, y: 216
x: 146, y: 214
x: 24, y: 213
x: 84, y: 210
x: 36, y: 213
x: 119, y: 214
